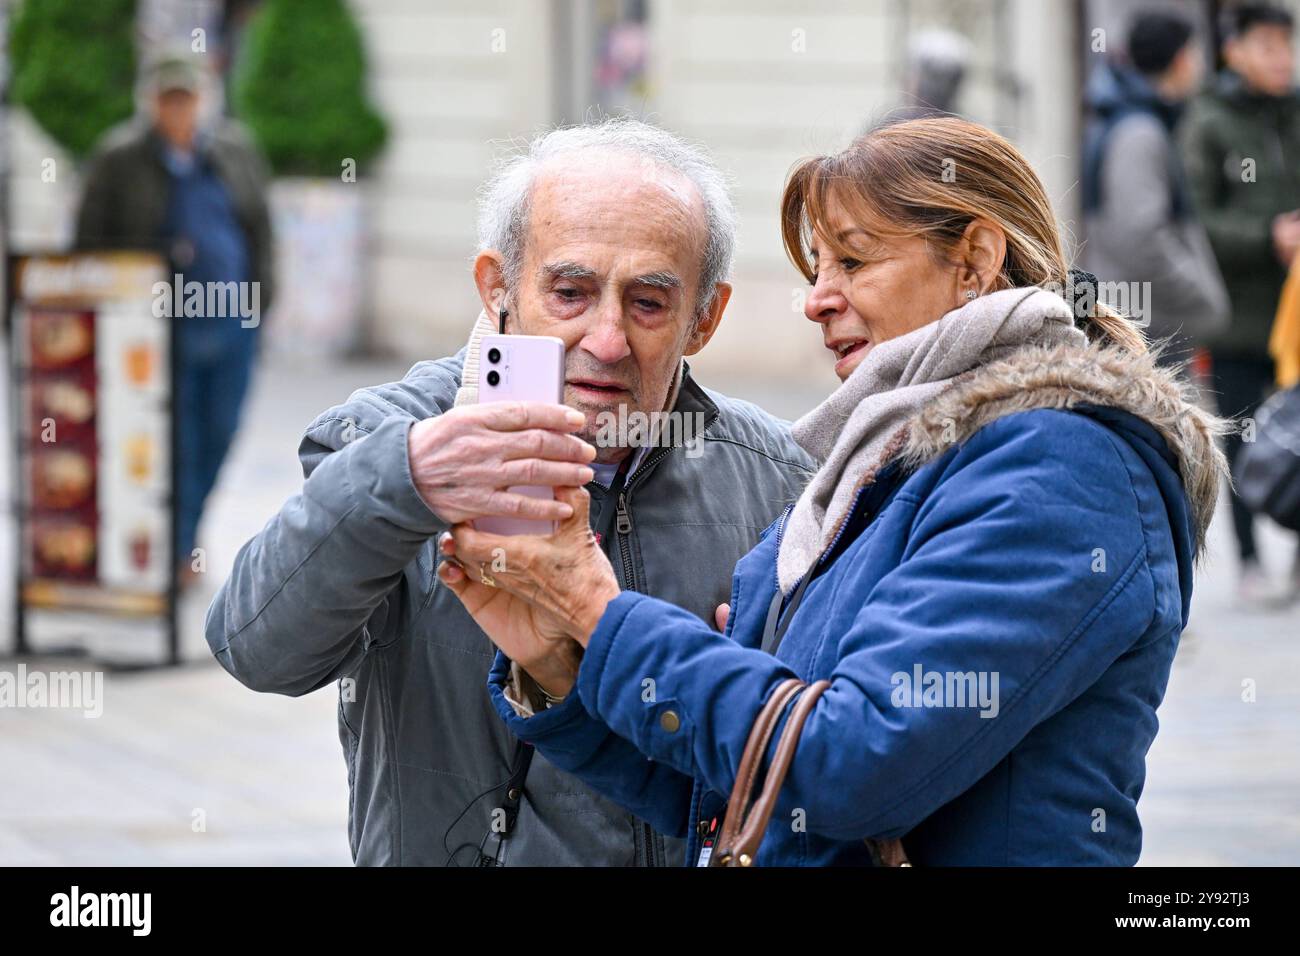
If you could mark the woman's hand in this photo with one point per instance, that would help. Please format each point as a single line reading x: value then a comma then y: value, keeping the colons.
x: 544, y: 588
x: 535, y: 640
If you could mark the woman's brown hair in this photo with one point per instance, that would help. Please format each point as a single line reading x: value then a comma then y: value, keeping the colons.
x: 930, y: 178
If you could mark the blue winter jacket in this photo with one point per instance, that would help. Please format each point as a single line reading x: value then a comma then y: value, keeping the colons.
x: 997, y: 619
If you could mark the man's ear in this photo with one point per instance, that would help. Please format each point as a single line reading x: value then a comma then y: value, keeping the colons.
x: 710, y: 320
x: 490, y: 278
x: 983, y: 251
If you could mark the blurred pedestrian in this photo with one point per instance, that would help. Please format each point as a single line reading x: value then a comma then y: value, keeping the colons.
x: 937, y: 64
x: 196, y: 193
x: 1242, y: 150
x: 1141, y: 225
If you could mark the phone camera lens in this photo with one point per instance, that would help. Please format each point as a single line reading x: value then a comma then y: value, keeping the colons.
x: 494, y: 356
x: 493, y: 377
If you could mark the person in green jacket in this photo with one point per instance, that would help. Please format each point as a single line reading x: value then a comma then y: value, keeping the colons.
x: 1241, y: 146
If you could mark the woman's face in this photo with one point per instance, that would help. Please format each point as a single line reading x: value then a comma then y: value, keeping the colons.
x: 890, y: 287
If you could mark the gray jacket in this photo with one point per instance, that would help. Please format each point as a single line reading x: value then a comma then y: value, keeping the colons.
x: 340, y: 586
x: 1134, y: 237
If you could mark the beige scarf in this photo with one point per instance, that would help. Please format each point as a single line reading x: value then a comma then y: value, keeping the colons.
x: 850, y: 432
x: 467, y: 394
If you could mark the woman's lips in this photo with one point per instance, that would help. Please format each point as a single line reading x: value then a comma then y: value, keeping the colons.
x: 848, y: 358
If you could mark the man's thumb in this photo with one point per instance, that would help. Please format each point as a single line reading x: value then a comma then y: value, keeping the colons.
x: 579, y: 501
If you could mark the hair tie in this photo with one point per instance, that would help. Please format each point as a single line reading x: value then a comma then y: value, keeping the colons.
x: 1080, y: 293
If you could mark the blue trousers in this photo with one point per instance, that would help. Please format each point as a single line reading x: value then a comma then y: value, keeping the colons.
x: 215, y: 367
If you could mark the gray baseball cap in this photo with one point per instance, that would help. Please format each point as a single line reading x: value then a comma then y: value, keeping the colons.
x: 174, y: 71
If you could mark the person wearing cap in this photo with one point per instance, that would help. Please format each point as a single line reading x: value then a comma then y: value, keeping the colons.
x: 196, y: 193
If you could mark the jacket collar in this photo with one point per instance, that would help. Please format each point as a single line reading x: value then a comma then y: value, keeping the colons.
x: 692, y: 398
x: 204, y: 140
x: 1231, y: 87
x: 1115, y: 89
x: 1069, y: 378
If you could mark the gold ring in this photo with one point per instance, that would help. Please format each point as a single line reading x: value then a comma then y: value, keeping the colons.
x: 484, y: 576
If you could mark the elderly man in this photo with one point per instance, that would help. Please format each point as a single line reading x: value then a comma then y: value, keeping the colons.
x: 617, y: 239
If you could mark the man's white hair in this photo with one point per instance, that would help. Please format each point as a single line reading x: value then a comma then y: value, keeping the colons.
x: 505, y: 199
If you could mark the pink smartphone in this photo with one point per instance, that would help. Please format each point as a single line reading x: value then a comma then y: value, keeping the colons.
x: 526, y: 368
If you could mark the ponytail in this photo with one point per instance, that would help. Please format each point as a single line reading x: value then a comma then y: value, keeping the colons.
x: 1114, y: 328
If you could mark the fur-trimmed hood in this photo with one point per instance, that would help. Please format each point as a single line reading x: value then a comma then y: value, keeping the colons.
x: 1064, y: 377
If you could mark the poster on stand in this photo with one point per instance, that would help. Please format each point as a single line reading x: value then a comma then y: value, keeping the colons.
x: 93, y: 389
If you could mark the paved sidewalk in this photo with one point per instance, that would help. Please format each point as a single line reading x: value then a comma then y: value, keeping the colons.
x: 267, y: 772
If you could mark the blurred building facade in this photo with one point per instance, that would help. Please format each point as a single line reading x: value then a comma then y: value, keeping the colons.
x: 760, y: 82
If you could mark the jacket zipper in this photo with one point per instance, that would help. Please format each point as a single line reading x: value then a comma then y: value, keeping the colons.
x: 623, y: 528
x: 857, y: 496
x: 780, y: 527
x: 623, y: 525
x: 623, y: 517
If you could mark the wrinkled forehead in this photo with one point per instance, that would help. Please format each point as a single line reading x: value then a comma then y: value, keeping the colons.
x: 617, y: 201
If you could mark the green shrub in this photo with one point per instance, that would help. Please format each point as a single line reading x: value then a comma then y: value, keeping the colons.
x: 73, y: 67
x: 299, y: 85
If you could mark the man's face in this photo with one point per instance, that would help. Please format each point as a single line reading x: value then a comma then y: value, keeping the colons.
x: 1263, y: 56
x: 612, y: 268
x: 176, y: 116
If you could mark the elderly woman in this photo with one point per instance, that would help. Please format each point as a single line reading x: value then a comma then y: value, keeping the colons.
x: 992, y: 567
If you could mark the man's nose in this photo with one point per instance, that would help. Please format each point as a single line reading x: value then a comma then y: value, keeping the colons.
x: 606, y: 340
x: 824, y: 302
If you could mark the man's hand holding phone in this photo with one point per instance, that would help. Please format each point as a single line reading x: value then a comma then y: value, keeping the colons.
x: 464, y: 462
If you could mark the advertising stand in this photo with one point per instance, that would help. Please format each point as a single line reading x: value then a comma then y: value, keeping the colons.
x: 92, y: 375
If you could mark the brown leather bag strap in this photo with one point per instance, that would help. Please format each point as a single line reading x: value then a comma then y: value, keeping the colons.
x: 742, y: 832
x: 752, y: 757
x: 888, y: 852
x: 755, y: 825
